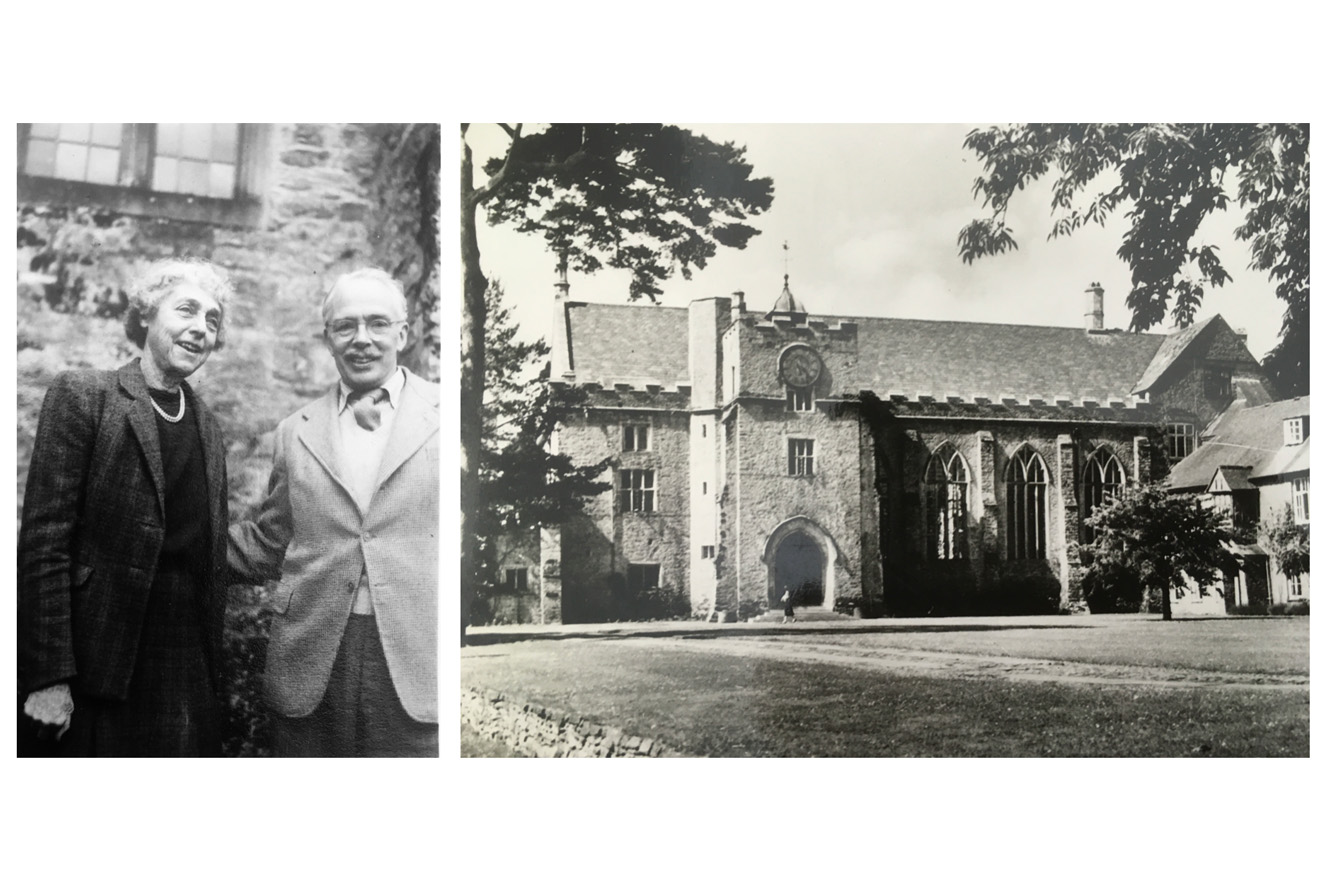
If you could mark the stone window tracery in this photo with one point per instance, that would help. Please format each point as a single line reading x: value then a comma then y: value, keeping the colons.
x: 946, y: 508
x: 1027, y: 506
x: 1102, y: 482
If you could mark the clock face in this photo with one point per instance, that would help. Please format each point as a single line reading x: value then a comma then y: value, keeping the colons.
x: 800, y: 366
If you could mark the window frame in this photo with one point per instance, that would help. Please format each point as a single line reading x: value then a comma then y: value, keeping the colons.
x: 641, y: 433
x: 800, y: 464
x: 1023, y: 495
x: 132, y: 193
x: 1296, y: 587
x: 799, y: 399
x: 1301, y: 488
x: 634, y: 497
x: 1096, y: 489
x: 513, y: 572
x: 643, y: 570
x: 1172, y: 436
x: 946, y: 485
x: 708, y: 552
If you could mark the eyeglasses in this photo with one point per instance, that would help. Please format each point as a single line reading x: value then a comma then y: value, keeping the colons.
x: 345, y: 330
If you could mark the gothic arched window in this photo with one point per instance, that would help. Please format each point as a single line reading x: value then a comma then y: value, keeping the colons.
x: 1101, y: 483
x: 1027, y: 510
x: 946, y: 511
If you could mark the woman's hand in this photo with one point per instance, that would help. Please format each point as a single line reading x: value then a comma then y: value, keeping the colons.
x: 53, y: 708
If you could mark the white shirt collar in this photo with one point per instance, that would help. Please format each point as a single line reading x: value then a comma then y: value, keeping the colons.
x: 393, y: 384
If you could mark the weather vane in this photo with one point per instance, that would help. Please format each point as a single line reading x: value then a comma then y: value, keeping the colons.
x: 786, y: 246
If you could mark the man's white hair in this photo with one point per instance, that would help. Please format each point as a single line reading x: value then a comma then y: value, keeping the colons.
x: 375, y: 274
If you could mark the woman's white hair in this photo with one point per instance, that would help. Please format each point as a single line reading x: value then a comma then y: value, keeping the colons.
x: 375, y: 274
x: 160, y: 278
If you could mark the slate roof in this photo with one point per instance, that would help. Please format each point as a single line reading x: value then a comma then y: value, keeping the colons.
x: 1247, y: 436
x: 1170, y: 350
x: 609, y: 343
x: 939, y: 357
x: 616, y: 342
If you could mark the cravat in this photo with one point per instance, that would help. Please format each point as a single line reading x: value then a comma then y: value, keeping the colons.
x: 365, y: 406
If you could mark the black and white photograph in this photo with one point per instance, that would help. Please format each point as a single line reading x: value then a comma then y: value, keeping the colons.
x: 907, y: 440
x: 228, y: 439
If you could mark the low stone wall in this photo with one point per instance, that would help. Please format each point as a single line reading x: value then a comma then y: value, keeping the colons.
x: 535, y: 731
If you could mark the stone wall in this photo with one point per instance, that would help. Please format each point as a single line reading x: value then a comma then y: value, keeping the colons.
x: 599, y: 544
x: 536, y: 731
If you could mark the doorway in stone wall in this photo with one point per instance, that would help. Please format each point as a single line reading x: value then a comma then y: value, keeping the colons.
x: 798, y: 568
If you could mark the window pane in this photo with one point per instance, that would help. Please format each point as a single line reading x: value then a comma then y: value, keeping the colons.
x: 168, y: 141
x: 193, y: 177
x: 164, y: 171
x: 224, y: 138
x: 103, y: 165
x: 44, y: 130
x: 221, y: 180
x: 106, y: 134
x: 196, y: 140
x: 41, y: 158
x: 75, y: 132
x: 71, y: 161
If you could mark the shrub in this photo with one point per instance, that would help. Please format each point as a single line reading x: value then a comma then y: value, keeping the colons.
x: 246, y: 730
x: 1114, y: 587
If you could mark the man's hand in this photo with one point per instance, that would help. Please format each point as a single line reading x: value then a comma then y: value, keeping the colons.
x: 53, y: 708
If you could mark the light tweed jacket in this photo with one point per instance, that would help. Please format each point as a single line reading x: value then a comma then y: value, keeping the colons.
x: 311, y: 534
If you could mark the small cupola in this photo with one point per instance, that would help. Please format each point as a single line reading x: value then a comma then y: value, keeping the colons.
x: 787, y: 307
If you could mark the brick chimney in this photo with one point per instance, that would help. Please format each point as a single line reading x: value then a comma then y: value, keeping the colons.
x: 560, y: 359
x: 1094, y: 308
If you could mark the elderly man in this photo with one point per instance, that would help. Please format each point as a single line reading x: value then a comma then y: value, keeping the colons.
x: 350, y: 526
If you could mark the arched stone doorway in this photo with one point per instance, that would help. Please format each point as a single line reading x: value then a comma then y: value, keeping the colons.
x: 801, y: 556
x: 798, y: 568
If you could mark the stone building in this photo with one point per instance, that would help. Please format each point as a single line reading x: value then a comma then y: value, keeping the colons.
x: 1254, y: 464
x: 866, y: 465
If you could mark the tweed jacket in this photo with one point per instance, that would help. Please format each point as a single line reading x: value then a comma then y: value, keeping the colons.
x: 92, y: 531
x: 312, y: 535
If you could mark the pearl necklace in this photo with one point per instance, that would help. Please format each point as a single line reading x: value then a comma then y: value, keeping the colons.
x: 179, y: 414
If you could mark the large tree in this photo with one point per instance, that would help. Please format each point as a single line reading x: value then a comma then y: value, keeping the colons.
x: 522, y: 484
x: 647, y: 198
x: 1167, y: 178
x: 1151, y: 539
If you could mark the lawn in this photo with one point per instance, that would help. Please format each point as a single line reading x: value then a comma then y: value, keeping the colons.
x: 708, y: 703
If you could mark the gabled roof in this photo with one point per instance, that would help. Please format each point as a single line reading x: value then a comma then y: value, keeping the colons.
x: 1171, y: 349
x: 609, y: 343
x: 1249, y: 436
x: 939, y: 357
x: 1230, y: 478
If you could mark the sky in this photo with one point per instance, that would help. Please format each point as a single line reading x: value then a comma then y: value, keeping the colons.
x: 871, y: 214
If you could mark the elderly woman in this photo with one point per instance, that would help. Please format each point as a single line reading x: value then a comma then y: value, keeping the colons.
x: 122, y: 550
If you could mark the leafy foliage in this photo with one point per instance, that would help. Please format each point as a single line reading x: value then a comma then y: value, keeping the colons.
x: 644, y: 197
x: 1289, y: 543
x: 402, y: 182
x: 1167, y: 178
x: 1156, y: 539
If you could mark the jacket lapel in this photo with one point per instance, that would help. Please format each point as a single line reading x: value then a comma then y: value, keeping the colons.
x: 144, y: 426
x: 319, y: 435
x: 416, y: 420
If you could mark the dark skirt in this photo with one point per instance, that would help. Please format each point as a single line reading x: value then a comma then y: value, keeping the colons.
x: 171, y: 709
